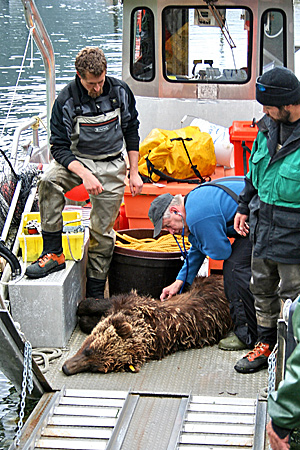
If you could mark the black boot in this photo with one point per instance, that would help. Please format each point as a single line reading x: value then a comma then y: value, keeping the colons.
x: 95, y: 288
x: 52, y: 242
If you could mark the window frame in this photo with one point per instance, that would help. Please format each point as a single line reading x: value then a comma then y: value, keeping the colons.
x: 207, y: 81
x: 261, y: 45
x: 133, y: 44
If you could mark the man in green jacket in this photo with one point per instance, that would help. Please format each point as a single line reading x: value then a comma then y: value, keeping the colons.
x: 271, y: 203
x: 283, y: 404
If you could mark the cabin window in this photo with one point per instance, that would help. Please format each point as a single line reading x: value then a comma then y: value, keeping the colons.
x: 142, y: 48
x: 273, y: 40
x: 207, y: 44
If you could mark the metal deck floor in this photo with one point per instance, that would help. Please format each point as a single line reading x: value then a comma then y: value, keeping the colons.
x: 207, y: 371
x: 191, y: 399
x: 115, y: 420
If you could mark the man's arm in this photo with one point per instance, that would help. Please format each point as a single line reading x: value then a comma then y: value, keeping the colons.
x: 90, y: 182
x: 135, y: 181
x: 276, y: 442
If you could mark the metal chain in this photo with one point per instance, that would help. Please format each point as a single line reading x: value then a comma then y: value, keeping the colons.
x: 272, y: 369
x: 27, y: 382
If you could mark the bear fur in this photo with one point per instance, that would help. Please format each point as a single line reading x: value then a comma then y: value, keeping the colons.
x: 90, y: 311
x: 138, y: 328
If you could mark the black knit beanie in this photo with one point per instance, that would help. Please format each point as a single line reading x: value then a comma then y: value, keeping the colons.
x: 278, y: 87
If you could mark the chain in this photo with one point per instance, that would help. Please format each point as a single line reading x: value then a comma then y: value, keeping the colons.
x: 27, y: 382
x: 272, y: 370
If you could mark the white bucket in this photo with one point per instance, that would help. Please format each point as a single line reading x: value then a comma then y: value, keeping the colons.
x: 224, y: 149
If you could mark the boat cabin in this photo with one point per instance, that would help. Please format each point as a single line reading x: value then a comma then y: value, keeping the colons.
x: 206, y: 52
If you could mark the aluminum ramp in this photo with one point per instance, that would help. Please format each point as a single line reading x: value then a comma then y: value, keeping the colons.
x: 119, y: 420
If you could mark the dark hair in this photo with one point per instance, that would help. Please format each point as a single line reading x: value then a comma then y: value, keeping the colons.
x: 92, y: 60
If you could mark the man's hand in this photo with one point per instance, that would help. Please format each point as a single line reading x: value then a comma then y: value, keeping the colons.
x: 135, y: 184
x: 240, y: 224
x: 135, y: 181
x: 171, y: 290
x: 90, y: 182
x: 275, y: 442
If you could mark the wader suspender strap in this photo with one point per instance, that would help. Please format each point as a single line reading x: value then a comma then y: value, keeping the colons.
x: 77, y: 104
x: 229, y: 191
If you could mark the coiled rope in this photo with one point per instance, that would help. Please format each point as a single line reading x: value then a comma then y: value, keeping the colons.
x: 165, y: 243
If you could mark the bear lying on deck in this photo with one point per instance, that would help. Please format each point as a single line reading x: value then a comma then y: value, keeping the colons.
x: 138, y: 329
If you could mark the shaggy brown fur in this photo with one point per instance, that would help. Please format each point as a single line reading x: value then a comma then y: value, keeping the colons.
x: 139, y: 329
x: 90, y: 311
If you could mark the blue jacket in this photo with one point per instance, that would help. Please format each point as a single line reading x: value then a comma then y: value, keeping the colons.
x: 209, y: 216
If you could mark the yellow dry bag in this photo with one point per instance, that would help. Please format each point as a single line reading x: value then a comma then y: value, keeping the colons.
x: 178, y: 154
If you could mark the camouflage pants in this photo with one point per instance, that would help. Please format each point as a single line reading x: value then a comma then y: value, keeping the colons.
x: 105, y: 207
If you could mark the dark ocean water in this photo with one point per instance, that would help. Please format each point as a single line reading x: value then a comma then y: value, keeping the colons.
x: 71, y: 25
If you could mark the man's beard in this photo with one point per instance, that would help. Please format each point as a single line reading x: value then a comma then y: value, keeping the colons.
x: 284, y: 117
x: 94, y: 94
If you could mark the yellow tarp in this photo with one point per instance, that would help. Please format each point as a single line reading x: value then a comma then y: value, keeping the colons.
x: 171, y: 158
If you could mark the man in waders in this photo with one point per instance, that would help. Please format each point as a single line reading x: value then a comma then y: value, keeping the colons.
x: 206, y: 215
x: 274, y: 217
x: 93, y: 121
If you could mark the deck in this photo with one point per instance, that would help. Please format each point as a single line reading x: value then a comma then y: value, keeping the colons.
x: 191, y: 399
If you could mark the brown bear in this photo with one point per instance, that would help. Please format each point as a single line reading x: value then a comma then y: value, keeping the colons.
x: 139, y: 328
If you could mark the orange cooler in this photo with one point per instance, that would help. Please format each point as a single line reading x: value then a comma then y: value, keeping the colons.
x: 242, y: 134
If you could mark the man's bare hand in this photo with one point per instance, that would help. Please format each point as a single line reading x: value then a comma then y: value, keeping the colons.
x: 135, y: 184
x: 275, y: 442
x: 240, y: 224
x: 92, y: 184
x: 171, y: 290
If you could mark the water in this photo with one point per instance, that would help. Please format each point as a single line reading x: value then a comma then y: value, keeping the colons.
x: 72, y: 24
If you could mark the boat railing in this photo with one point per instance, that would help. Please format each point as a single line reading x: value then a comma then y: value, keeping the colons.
x: 33, y: 123
x: 44, y: 44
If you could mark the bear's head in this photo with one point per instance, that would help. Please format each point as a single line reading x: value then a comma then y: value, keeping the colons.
x: 115, y: 345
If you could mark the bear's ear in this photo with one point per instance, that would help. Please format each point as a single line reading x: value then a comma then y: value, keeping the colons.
x: 123, y: 328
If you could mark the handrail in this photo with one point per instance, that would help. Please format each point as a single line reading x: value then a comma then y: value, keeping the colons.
x: 16, y: 137
x: 42, y: 40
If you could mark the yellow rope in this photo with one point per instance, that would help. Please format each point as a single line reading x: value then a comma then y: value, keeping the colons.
x: 165, y: 243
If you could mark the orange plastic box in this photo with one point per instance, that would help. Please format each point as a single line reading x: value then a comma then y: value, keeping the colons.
x: 242, y: 133
x: 136, y: 208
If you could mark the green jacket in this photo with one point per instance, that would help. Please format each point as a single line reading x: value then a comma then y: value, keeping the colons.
x: 277, y: 178
x: 284, y: 404
x: 271, y: 197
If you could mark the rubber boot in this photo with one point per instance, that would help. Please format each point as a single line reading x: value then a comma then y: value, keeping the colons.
x: 95, y: 288
x: 52, y: 242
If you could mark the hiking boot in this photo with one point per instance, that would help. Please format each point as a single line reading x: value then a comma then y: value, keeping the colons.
x: 46, y: 264
x: 232, y: 343
x: 255, y: 360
